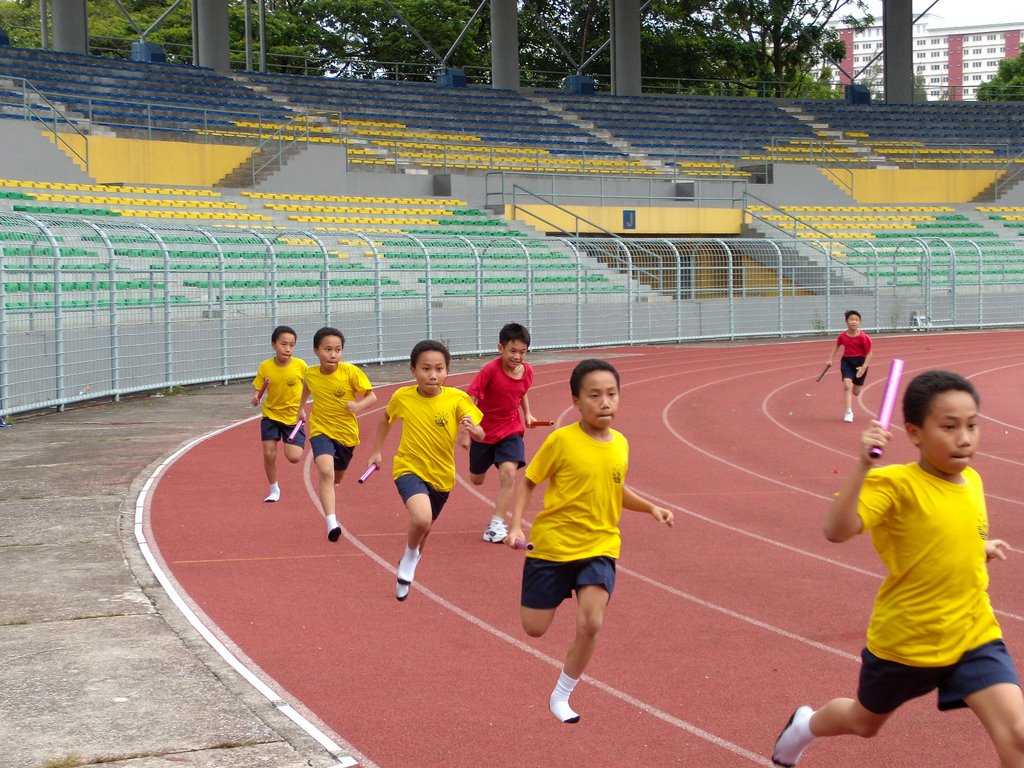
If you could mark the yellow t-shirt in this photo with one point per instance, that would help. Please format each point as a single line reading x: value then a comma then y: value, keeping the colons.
x: 583, y: 500
x: 930, y: 533
x: 330, y: 393
x: 281, y: 401
x: 429, y: 428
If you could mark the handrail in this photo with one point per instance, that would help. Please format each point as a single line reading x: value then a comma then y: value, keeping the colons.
x: 618, y: 178
x: 1012, y: 177
x: 826, y: 155
x: 281, y: 137
x: 576, y: 217
x: 832, y: 241
x: 27, y: 91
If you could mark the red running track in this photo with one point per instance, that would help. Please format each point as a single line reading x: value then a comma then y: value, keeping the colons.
x: 718, y: 628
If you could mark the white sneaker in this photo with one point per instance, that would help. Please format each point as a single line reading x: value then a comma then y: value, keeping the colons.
x: 274, y: 495
x: 848, y: 417
x: 496, y: 532
x: 794, y: 739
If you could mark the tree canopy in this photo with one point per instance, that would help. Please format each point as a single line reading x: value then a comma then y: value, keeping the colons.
x: 1008, y: 83
x: 686, y: 44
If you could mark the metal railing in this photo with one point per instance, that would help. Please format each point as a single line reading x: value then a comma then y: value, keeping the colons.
x: 34, y: 106
x: 90, y: 310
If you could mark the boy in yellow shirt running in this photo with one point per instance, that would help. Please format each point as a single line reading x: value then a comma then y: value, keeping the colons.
x: 576, y: 536
x: 282, y: 375
x: 932, y: 627
x: 433, y: 416
x: 340, y: 391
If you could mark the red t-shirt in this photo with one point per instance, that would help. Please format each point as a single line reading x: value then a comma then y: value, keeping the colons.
x: 854, y: 346
x: 500, y: 397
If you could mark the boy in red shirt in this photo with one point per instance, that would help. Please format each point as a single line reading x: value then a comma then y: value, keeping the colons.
x: 856, y: 346
x: 499, y: 390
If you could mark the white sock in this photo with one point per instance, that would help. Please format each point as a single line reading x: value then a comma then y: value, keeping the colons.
x: 498, y: 519
x: 332, y: 522
x: 794, y: 739
x: 407, y: 565
x: 275, y: 493
x: 558, y: 702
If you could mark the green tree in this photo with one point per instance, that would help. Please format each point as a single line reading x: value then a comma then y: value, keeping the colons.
x: 21, y: 20
x: 1008, y: 83
x: 706, y: 46
x: 777, y: 41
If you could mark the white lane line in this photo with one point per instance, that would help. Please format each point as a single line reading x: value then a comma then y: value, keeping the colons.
x: 345, y: 754
x: 549, y: 660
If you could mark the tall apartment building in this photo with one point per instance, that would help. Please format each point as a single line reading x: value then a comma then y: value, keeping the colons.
x: 950, y: 62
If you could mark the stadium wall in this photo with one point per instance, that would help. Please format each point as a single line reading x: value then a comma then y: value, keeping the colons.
x: 655, y: 221
x: 116, y: 160
x: 918, y: 185
x: 27, y: 153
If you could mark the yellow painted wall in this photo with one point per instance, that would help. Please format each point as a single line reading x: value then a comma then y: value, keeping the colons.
x: 648, y: 220
x: 137, y: 161
x: 917, y: 185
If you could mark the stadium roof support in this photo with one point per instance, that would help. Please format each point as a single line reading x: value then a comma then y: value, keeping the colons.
x: 70, y: 26
x: 898, y: 43
x: 504, y: 44
x: 210, y: 35
x: 625, y: 35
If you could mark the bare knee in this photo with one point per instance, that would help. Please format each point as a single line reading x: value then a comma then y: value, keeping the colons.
x: 533, y: 630
x: 866, y: 729
x: 477, y: 479
x: 1012, y: 744
x: 507, y: 477
x: 589, y: 624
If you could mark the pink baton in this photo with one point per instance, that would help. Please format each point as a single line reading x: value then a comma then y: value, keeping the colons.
x: 298, y: 426
x: 263, y: 390
x: 892, y: 387
x: 520, y: 544
x: 369, y: 471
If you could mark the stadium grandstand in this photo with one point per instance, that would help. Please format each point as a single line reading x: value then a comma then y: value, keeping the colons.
x: 139, y: 194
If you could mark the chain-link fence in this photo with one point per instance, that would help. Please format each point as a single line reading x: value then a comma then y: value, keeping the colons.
x: 90, y: 310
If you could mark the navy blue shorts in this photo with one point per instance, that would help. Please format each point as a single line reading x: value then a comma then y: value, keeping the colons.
x: 885, y: 685
x: 410, y: 485
x: 275, y: 430
x: 849, y: 366
x: 323, y: 445
x: 547, y: 583
x: 482, y: 456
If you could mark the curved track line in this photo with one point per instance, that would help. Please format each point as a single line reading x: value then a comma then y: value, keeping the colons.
x: 518, y: 644
x: 833, y: 449
x: 342, y: 753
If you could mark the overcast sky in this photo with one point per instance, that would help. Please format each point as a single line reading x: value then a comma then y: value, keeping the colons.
x: 957, y: 13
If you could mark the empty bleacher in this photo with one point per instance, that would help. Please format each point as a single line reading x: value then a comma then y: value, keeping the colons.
x: 701, y: 136
x: 887, y: 242
x: 130, y: 95
x: 958, y: 134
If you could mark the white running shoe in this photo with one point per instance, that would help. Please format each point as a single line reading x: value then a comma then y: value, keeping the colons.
x: 848, y: 417
x: 274, y: 495
x: 496, y: 532
x: 794, y: 739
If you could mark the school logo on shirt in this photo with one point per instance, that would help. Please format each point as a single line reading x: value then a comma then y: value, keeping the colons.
x: 617, y: 475
x: 339, y: 393
x: 292, y: 381
x: 441, y: 419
